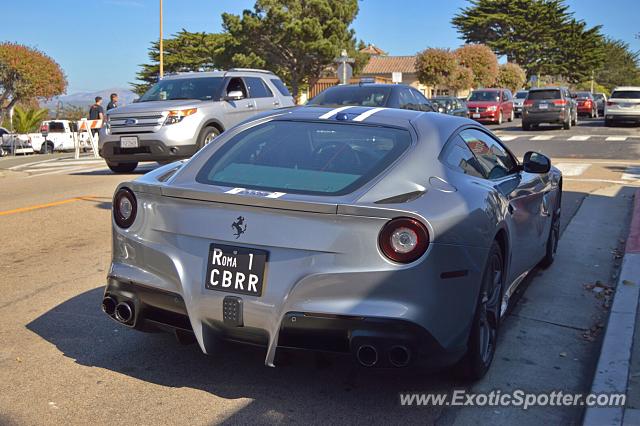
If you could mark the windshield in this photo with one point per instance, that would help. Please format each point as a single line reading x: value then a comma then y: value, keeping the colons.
x: 200, y: 88
x: 304, y: 157
x: 626, y: 94
x: 544, y: 94
x: 485, y: 96
x: 521, y: 95
x: 353, y: 95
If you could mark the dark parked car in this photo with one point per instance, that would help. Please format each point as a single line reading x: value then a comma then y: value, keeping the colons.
x: 373, y: 95
x: 601, y: 101
x: 491, y: 105
x: 450, y: 105
x: 587, y: 105
x: 553, y: 105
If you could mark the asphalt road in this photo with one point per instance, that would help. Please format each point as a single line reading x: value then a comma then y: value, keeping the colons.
x: 62, y: 361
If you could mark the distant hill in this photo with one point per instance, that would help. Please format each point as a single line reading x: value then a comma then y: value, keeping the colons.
x: 86, y: 99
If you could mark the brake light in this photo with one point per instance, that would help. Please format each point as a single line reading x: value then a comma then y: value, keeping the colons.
x: 528, y: 103
x: 403, y: 240
x: 125, y: 208
x: 560, y: 102
x: 609, y: 103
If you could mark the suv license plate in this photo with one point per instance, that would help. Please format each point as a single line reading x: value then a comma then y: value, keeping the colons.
x: 129, y: 142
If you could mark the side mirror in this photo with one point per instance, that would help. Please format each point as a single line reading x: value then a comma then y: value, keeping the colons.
x: 534, y: 162
x: 234, y: 95
x: 136, y: 100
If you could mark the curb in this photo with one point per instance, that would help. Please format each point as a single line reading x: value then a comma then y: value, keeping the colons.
x: 612, y: 371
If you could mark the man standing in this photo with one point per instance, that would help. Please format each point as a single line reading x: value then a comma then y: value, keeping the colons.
x: 114, y: 102
x: 96, y: 112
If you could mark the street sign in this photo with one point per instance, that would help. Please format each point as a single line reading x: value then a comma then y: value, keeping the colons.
x: 345, y: 72
x: 396, y: 77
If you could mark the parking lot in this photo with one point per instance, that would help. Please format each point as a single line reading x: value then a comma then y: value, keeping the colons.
x: 63, y: 359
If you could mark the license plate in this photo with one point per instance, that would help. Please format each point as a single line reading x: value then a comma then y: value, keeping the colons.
x: 235, y: 269
x: 543, y: 106
x: 476, y: 115
x: 129, y: 142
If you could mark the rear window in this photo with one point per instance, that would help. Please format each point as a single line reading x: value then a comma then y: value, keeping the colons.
x: 280, y: 86
x: 544, y: 94
x: 304, y: 157
x: 626, y: 94
x: 56, y: 127
x: 353, y: 95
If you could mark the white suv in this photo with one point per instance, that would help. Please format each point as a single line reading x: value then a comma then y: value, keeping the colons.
x: 623, y: 106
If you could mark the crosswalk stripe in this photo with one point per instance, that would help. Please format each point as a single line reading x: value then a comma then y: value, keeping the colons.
x: 616, y: 138
x: 508, y: 138
x: 542, y: 138
x: 55, y: 172
x: 579, y: 138
x: 573, y: 169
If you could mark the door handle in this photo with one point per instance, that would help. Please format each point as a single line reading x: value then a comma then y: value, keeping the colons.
x: 276, y: 103
x: 249, y: 105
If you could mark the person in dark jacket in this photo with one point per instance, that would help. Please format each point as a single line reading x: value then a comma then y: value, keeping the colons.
x: 96, y: 112
x: 113, y: 103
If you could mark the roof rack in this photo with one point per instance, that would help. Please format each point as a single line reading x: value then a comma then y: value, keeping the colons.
x: 249, y: 70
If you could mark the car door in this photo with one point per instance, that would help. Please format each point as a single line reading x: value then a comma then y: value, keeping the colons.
x: 261, y: 94
x: 526, y: 197
x: 237, y: 110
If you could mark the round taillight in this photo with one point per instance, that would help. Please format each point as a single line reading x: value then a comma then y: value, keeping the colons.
x: 403, y: 239
x: 125, y: 208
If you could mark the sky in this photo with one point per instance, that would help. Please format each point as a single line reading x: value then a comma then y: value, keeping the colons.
x: 100, y: 43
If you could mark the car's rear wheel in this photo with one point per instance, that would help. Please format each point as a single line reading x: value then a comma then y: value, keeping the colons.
x: 47, y: 148
x: 122, y: 167
x: 554, y: 234
x: 483, y: 338
x: 574, y: 122
x: 526, y: 126
x: 499, y: 117
x: 567, y: 123
x: 608, y: 123
x: 511, y: 116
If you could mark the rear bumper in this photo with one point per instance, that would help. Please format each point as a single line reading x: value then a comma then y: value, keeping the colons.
x: 631, y: 118
x: 544, y: 117
x: 485, y: 117
x: 585, y: 110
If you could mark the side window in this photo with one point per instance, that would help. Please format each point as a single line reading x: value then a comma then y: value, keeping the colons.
x: 257, y: 88
x: 406, y: 99
x: 423, y: 102
x: 280, y: 86
x: 236, y: 84
x: 495, y: 160
x: 458, y: 156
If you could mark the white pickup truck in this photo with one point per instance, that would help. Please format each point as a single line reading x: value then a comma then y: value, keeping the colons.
x: 60, y: 135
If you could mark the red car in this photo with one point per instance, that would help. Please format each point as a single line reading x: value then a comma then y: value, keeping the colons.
x: 587, y: 104
x: 491, y: 105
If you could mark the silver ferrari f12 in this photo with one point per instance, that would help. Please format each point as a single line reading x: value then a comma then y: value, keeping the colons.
x: 396, y: 236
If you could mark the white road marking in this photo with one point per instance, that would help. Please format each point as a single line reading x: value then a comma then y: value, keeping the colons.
x: 616, y: 138
x: 572, y: 169
x: 542, y: 138
x: 334, y: 112
x: 367, y: 114
x: 617, y: 182
x: 20, y: 166
x: 508, y: 138
x: 632, y: 173
x: 55, y: 172
x: 579, y: 138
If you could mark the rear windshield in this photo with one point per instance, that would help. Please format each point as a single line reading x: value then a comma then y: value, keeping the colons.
x: 521, y: 95
x: 544, y: 94
x: 355, y: 95
x: 304, y: 157
x: 485, y: 95
x: 626, y: 94
x: 199, y: 88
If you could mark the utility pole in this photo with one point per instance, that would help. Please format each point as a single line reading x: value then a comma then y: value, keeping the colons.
x: 161, y: 45
x: 592, y: 77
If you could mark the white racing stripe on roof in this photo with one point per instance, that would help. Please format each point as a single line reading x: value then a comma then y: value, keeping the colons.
x: 367, y: 114
x: 334, y: 112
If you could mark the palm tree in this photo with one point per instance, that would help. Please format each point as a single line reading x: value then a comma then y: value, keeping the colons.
x: 27, y: 121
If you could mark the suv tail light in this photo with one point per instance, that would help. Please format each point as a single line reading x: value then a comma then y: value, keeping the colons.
x: 403, y: 240
x: 560, y: 102
x: 528, y: 103
x: 125, y: 208
x: 609, y: 103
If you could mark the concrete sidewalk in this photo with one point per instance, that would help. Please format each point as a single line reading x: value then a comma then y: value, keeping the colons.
x: 618, y: 369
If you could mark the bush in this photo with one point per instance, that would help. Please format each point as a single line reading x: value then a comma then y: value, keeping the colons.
x: 511, y: 76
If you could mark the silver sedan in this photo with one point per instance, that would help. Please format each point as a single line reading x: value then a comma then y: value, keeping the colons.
x: 396, y: 236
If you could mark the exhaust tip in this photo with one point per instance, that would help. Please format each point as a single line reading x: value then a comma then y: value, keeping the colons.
x: 124, y: 312
x: 399, y: 356
x: 109, y: 305
x: 367, y: 355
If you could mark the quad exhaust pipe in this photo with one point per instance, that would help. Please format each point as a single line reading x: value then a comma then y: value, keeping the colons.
x: 367, y: 355
x: 398, y: 355
x: 109, y: 305
x: 124, y: 312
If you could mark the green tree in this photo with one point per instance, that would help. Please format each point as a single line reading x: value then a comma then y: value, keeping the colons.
x: 511, y: 76
x: 28, y: 120
x: 539, y: 35
x: 461, y: 79
x: 297, y: 39
x: 583, y: 51
x: 436, y: 67
x: 27, y: 74
x: 622, y: 65
x: 184, y: 51
x: 481, y: 60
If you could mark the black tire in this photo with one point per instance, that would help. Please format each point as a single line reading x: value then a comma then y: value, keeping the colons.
x: 47, y: 147
x: 207, y: 135
x: 526, y: 126
x: 608, y: 123
x: 483, y: 337
x: 122, y: 167
x: 575, y: 120
x: 567, y: 124
x: 2, y: 151
x: 554, y: 234
x: 499, y: 118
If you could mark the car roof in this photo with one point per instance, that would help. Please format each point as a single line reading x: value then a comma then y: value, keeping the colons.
x: 631, y: 88
x: 390, y: 86
x: 535, y: 89
x: 233, y: 72
x: 488, y: 89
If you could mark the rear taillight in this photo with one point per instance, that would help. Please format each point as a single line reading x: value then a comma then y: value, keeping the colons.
x: 403, y: 239
x: 560, y: 102
x: 609, y: 103
x: 528, y: 103
x: 125, y: 208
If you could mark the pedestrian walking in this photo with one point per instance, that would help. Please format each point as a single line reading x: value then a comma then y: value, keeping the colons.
x: 96, y: 112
